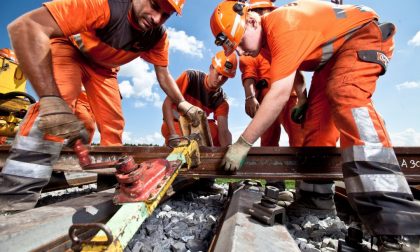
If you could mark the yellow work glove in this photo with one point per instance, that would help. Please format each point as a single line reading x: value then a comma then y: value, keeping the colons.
x: 57, y: 119
x: 236, y: 155
x: 193, y: 113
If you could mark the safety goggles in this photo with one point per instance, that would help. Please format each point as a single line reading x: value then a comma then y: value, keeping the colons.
x: 220, y: 39
x: 223, y: 40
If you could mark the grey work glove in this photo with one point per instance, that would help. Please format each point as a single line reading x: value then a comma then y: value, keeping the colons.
x: 57, y: 119
x: 193, y: 113
x: 236, y: 155
x: 174, y: 140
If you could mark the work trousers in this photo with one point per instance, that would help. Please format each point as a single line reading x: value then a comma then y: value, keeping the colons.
x: 376, y: 187
x: 29, y: 166
x: 83, y: 111
x: 271, y: 136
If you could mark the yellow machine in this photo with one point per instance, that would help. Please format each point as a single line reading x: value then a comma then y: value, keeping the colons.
x: 14, y: 101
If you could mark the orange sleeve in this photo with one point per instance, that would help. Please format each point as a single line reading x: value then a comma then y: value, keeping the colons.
x: 288, y: 47
x: 76, y: 16
x: 247, y: 65
x: 158, y: 55
x: 222, y: 110
x: 183, y: 82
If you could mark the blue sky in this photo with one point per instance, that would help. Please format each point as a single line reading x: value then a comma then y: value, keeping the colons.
x: 397, y: 97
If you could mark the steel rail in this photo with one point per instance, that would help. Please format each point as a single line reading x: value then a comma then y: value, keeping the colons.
x: 262, y: 162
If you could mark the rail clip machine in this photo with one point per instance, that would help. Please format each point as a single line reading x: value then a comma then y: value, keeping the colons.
x: 141, y: 188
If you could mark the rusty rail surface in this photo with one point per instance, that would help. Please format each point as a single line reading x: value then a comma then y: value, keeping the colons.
x: 262, y: 162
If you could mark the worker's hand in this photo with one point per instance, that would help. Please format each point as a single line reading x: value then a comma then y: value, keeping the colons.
x: 174, y: 140
x: 236, y: 155
x: 251, y: 106
x: 83, y: 136
x: 193, y: 113
x: 298, y: 113
x: 57, y: 119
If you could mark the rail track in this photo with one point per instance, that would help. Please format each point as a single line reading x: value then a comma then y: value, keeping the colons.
x: 46, y: 228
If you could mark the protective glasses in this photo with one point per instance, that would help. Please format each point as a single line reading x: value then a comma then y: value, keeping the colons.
x: 220, y: 39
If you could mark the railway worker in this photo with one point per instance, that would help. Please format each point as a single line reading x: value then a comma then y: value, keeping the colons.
x: 348, y: 45
x: 256, y: 83
x: 65, y: 44
x: 205, y: 91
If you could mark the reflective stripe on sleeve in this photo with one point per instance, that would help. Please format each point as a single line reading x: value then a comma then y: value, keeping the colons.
x: 339, y: 12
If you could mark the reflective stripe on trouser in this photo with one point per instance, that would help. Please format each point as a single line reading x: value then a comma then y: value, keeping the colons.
x: 214, y: 131
x: 71, y: 71
x: 271, y: 136
x: 376, y: 188
x: 29, y: 166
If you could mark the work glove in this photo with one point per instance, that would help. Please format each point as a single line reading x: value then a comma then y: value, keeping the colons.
x: 298, y: 113
x: 251, y: 106
x: 57, y: 119
x: 193, y: 113
x: 236, y: 155
x: 174, y: 140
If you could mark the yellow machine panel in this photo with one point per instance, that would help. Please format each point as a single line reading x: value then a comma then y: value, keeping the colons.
x: 11, y: 77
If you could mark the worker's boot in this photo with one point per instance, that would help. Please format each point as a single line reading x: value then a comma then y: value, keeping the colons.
x: 399, y: 243
x: 206, y: 186
x: 313, y: 199
x: 284, y: 198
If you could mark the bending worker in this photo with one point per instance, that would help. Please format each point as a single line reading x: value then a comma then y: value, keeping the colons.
x: 347, y: 44
x: 205, y: 91
x: 58, y: 53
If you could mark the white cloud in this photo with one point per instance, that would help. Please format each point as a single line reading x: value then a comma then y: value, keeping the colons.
x: 233, y: 102
x: 154, y: 138
x: 126, y: 89
x: 408, y: 85
x: 141, y: 84
x: 408, y: 137
x: 180, y: 41
x: 415, y: 41
x: 130, y: 138
x: 139, y: 104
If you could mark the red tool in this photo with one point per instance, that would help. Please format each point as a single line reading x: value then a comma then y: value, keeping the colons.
x: 85, y: 160
x: 142, y: 182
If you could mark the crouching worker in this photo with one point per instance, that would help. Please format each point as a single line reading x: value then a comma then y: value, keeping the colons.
x: 204, y: 91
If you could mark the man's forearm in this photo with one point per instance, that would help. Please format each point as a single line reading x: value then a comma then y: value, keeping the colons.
x: 269, y: 109
x: 31, y: 42
x: 249, y: 87
x: 168, y: 84
x: 168, y: 116
x: 300, y: 88
x: 225, y: 138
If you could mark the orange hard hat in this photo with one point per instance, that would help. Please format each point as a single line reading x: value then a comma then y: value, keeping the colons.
x: 8, y: 54
x: 256, y: 4
x: 228, y: 24
x: 176, y: 4
x: 225, y: 65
